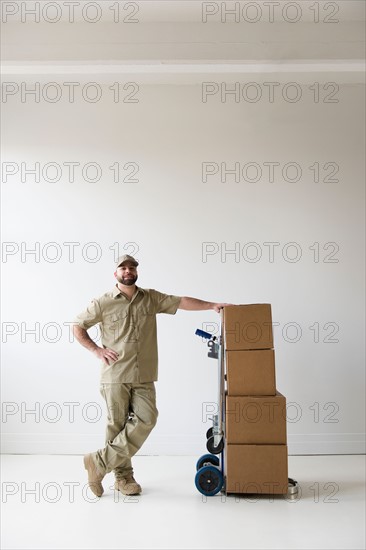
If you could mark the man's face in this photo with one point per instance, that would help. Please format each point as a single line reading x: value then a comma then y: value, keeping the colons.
x: 126, y: 274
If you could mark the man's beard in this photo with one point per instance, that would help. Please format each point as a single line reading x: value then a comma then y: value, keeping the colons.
x: 127, y: 282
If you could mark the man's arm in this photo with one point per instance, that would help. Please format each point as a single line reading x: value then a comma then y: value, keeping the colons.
x: 84, y: 339
x: 193, y: 304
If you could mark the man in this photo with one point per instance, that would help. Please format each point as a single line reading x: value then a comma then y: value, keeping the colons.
x: 127, y: 319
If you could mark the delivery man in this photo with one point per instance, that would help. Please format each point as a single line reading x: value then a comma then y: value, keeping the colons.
x: 127, y: 319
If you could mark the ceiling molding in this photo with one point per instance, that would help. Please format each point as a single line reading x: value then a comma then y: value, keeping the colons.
x: 75, y: 68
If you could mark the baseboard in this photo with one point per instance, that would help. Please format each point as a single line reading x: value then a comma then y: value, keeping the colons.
x: 327, y: 444
x: 73, y: 444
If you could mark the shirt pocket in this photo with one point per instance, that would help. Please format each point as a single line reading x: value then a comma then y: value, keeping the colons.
x: 144, y: 311
x: 145, y: 321
x: 115, y: 324
x: 145, y: 317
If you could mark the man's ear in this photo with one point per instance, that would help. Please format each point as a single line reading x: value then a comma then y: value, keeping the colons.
x: 115, y: 274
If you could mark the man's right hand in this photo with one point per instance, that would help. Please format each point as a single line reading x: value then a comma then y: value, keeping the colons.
x: 107, y: 355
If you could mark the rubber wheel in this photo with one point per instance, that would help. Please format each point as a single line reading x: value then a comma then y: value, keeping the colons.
x: 207, y: 460
x: 209, y: 433
x: 210, y: 446
x: 209, y: 480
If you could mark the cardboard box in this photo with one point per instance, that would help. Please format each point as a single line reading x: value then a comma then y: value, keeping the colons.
x: 251, y: 372
x: 248, y: 327
x: 256, y: 420
x: 256, y: 469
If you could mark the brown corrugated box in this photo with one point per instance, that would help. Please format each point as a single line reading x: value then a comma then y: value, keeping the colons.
x: 251, y: 372
x: 256, y: 420
x: 256, y: 469
x: 248, y: 327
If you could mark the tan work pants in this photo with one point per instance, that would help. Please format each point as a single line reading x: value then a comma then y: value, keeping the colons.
x: 132, y: 414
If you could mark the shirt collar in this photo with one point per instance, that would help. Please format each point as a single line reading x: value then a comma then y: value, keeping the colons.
x: 116, y: 291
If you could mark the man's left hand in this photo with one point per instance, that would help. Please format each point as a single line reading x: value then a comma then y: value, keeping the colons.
x: 219, y: 307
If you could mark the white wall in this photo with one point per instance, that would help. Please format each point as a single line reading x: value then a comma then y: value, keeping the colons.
x: 169, y: 213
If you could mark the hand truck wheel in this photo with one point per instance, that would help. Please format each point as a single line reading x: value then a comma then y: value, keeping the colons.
x: 207, y: 460
x: 209, y: 433
x: 210, y: 445
x: 209, y: 480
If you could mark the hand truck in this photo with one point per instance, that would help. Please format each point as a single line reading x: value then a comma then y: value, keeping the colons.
x: 210, y: 478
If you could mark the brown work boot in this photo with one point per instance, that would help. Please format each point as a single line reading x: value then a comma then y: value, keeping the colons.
x: 94, y: 477
x: 128, y: 485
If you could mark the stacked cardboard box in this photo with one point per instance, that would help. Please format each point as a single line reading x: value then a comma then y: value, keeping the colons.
x: 255, y: 416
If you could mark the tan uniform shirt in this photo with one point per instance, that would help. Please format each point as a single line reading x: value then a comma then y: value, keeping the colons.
x: 129, y: 328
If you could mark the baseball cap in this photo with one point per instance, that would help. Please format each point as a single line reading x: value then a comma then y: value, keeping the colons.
x: 126, y: 258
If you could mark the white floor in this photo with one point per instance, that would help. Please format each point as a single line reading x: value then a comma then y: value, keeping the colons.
x: 46, y: 504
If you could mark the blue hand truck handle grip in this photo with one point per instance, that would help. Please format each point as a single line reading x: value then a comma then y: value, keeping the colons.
x: 203, y: 334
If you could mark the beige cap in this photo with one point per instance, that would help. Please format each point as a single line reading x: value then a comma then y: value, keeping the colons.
x: 126, y: 258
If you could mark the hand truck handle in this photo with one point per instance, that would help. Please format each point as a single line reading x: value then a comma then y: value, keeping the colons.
x: 203, y: 334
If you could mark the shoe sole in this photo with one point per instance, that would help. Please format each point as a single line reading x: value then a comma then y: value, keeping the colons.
x: 128, y: 494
